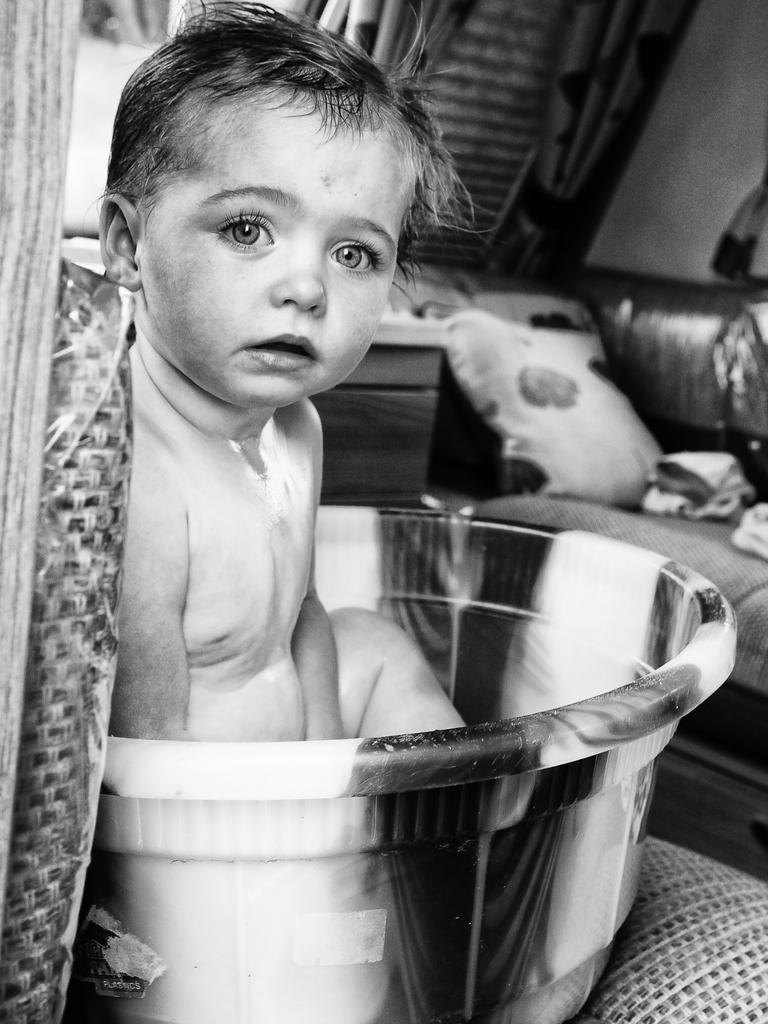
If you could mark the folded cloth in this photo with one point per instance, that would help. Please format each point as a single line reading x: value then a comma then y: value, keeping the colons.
x: 751, y: 534
x: 698, y: 485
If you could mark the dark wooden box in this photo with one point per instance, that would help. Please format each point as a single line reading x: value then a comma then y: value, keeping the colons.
x: 377, y: 425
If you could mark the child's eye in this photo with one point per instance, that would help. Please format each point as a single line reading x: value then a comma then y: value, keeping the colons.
x: 356, y: 257
x: 247, y: 231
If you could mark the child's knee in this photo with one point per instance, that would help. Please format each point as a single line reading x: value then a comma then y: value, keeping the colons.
x: 359, y: 629
x: 386, y: 684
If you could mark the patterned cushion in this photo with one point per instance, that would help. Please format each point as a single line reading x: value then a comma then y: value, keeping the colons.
x: 706, y: 547
x: 693, y: 949
x: 544, y: 388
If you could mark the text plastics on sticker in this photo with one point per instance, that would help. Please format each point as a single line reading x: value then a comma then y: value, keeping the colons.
x: 116, y: 962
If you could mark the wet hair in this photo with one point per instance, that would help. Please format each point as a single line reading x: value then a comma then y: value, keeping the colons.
x: 240, y: 51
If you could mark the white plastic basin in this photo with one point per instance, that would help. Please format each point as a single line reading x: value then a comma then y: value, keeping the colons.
x: 475, y: 874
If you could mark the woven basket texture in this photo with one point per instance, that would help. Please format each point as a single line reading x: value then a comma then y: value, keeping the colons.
x: 694, y: 949
x: 72, y: 646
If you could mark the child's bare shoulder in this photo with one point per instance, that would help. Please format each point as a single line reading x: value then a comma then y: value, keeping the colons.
x: 300, y: 418
x: 157, y: 501
x: 156, y: 562
x: 300, y: 424
x: 156, y: 456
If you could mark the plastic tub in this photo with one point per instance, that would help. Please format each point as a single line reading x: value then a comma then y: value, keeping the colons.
x: 475, y: 874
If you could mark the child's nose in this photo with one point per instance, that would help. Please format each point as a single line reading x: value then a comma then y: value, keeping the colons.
x: 303, y: 288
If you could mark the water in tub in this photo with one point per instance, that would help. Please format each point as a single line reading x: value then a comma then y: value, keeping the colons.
x: 591, y: 631
x: 583, y: 633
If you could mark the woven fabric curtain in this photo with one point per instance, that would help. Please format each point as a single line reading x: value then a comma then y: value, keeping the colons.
x: 72, y: 646
x: 389, y: 29
x: 386, y: 29
x: 610, y: 59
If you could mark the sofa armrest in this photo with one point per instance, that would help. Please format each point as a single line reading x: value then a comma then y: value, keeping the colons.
x: 665, y: 341
x: 692, y: 360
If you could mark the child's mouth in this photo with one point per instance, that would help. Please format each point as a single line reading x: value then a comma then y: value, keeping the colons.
x: 291, y: 343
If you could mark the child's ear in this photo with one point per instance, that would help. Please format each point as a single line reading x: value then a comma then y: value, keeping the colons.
x: 119, y: 231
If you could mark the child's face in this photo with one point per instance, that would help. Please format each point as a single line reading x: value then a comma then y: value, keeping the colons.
x: 264, y: 272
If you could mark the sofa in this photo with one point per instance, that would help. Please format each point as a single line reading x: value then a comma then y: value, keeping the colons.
x: 558, y: 404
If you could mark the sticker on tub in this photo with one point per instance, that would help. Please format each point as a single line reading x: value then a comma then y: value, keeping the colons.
x: 334, y: 940
x: 114, y: 961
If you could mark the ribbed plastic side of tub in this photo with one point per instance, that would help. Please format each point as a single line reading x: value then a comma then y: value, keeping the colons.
x: 494, y: 901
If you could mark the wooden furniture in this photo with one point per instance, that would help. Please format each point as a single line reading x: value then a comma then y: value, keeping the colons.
x: 714, y: 803
x: 377, y: 425
x: 712, y: 785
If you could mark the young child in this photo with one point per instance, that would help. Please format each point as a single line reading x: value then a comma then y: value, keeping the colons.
x: 266, y: 178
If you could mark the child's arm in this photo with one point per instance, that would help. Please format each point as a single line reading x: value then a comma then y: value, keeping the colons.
x: 312, y: 645
x: 151, y: 692
x: 314, y: 654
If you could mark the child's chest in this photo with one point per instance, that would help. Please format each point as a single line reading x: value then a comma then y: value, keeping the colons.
x: 250, y: 552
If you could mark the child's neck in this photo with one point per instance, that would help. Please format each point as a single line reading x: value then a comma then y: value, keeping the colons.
x: 204, y: 411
